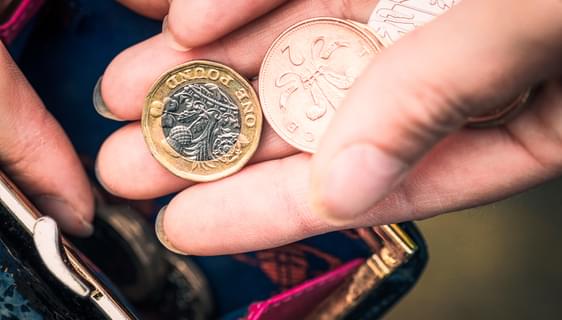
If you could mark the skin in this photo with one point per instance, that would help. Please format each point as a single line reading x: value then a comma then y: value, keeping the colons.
x: 397, y: 148
x: 38, y: 157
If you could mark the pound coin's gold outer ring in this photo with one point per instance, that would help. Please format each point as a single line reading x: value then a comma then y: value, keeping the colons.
x: 241, y: 93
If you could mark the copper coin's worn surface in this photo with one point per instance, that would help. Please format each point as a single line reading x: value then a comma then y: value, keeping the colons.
x: 307, y: 72
x: 202, y: 121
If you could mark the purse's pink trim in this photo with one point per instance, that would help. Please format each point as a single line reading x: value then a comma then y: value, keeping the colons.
x: 23, y: 13
x: 294, y: 302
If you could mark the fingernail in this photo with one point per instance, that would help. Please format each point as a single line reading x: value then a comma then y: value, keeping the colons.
x: 99, y: 179
x: 159, y: 227
x: 68, y: 218
x: 170, y: 38
x: 87, y: 228
x: 99, y: 104
x: 165, y: 24
x: 357, y: 178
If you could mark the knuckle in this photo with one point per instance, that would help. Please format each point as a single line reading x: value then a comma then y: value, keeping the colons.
x: 341, y: 8
x: 351, y: 9
x: 549, y: 156
x: 549, y: 112
x: 346, y: 7
x: 558, y: 150
x: 401, y: 204
x: 430, y: 106
x: 24, y: 146
x: 229, y: 51
x: 280, y: 186
x: 538, y: 130
x: 25, y: 123
x: 291, y: 196
x: 557, y: 128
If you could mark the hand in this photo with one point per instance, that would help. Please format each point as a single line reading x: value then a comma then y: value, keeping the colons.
x: 38, y: 157
x: 396, y: 149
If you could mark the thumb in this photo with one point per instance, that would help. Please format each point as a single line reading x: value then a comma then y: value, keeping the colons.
x: 422, y: 89
x: 36, y: 154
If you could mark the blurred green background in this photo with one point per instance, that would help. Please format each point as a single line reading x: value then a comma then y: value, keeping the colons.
x: 500, y: 261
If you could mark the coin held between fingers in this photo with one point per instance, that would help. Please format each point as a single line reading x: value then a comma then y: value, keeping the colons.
x: 307, y: 72
x: 202, y: 121
x: 310, y: 67
x: 392, y: 19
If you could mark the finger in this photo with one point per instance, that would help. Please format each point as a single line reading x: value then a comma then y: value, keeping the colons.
x: 155, y: 9
x: 209, y: 20
x: 133, y: 173
x: 36, y: 154
x: 266, y: 195
x: 266, y: 205
x: 131, y: 74
x: 413, y: 95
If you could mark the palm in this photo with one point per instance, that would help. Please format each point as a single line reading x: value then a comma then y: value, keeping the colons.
x: 266, y: 204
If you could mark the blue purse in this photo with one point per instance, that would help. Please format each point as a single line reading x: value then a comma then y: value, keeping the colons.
x: 122, y: 272
x: 44, y: 276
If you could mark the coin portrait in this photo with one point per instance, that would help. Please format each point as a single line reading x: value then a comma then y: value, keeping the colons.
x: 202, y: 121
x: 307, y: 72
